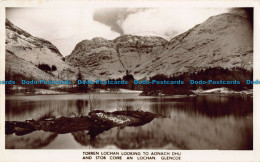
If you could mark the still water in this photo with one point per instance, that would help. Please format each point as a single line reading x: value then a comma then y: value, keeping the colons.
x: 222, y: 122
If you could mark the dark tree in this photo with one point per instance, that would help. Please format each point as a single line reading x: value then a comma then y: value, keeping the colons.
x: 81, y: 87
x: 130, y: 79
x: 53, y: 68
x: 44, y: 67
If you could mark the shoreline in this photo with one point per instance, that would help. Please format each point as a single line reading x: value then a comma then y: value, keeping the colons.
x: 196, y: 92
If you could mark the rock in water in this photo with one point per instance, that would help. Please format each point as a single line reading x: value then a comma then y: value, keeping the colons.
x: 96, y: 122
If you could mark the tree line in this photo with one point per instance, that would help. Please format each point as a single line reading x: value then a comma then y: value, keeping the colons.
x: 215, y: 73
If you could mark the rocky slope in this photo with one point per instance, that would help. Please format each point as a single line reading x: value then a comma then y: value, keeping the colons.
x: 24, y: 53
x: 16, y: 65
x: 103, y: 59
x: 224, y: 40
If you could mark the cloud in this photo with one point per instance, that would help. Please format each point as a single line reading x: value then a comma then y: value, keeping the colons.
x: 167, y: 22
x: 164, y: 22
x: 114, y: 17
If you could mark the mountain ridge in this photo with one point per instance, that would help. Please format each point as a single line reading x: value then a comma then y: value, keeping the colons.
x: 30, y: 53
x: 223, y: 40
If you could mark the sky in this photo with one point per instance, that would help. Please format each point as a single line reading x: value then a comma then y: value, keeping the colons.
x: 65, y: 27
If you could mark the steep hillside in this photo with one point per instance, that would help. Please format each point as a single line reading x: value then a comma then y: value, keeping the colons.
x: 16, y: 65
x: 28, y: 51
x: 224, y: 40
x: 96, y: 58
x: 103, y: 59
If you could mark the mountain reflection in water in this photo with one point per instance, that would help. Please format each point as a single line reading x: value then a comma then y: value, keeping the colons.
x: 200, y: 122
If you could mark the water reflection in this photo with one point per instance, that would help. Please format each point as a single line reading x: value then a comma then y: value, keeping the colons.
x: 34, y: 140
x: 201, y: 122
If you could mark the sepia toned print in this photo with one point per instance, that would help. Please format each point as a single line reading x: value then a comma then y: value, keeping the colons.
x: 129, y: 78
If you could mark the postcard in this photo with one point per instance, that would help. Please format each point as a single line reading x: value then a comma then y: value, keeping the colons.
x: 130, y: 81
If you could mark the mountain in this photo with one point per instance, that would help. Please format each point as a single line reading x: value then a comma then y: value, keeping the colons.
x: 103, y: 59
x: 224, y: 40
x: 25, y: 53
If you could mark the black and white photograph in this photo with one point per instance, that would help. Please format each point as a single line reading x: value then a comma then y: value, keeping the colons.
x: 129, y: 78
